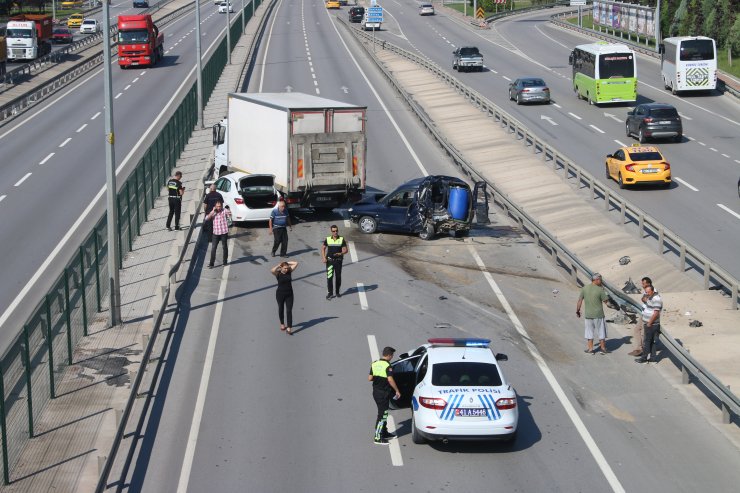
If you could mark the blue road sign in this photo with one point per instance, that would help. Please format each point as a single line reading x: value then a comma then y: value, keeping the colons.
x: 375, y: 14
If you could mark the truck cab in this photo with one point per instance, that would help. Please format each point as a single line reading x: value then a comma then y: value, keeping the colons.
x: 28, y: 36
x: 139, y: 41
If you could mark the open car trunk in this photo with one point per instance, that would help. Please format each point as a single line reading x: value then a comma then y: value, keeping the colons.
x: 258, y: 191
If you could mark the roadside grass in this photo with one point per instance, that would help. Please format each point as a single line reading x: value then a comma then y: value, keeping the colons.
x: 460, y: 7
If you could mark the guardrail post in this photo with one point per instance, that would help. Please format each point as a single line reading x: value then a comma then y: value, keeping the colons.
x: 707, y: 272
x: 578, y: 179
x: 565, y: 170
x: 661, y: 240
x: 641, y: 225
x: 50, y: 345
x: 83, y: 285
x: 68, y: 318
x: 726, y: 414
x: 26, y: 349
x: 685, y: 375
x: 3, y: 428
x: 623, y: 214
x: 96, y: 246
x: 734, y: 296
x: 607, y: 198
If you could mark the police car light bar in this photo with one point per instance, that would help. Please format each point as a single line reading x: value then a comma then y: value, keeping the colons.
x: 451, y: 342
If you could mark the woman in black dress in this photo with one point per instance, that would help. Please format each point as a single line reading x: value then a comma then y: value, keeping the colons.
x: 284, y: 293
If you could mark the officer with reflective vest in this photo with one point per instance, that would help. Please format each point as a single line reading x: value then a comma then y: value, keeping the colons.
x: 381, y: 375
x: 333, y: 251
x: 174, y: 197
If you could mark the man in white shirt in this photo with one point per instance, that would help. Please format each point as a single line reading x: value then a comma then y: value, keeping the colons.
x: 651, y: 324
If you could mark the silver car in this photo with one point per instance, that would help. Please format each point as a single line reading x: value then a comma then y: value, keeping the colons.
x: 426, y: 9
x: 529, y: 90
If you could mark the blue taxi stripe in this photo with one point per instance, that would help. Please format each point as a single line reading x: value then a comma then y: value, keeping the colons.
x: 494, y: 410
x: 447, y: 407
x: 486, y: 406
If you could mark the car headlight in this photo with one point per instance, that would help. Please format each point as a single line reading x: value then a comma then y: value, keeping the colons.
x: 349, y: 210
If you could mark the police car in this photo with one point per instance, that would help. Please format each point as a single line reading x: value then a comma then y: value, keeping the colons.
x: 456, y: 391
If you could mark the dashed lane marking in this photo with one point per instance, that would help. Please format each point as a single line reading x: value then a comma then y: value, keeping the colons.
x: 118, y: 95
x: 722, y: 206
x: 360, y: 292
x: 726, y: 155
x: 43, y: 161
x: 81, y: 128
x: 95, y: 115
x: 66, y: 141
x: 701, y: 143
x: 352, y: 251
x: 685, y: 183
x: 575, y: 116
x: 713, y: 149
x: 18, y: 183
x: 127, y: 87
x: 597, y: 129
x: 142, y: 72
x: 620, y: 143
x: 556, y: 105
x: 506, y: 78
x: 2, y: 197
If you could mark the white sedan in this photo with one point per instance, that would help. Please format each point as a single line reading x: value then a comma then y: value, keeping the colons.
x: 250, y: 197
x: 456, y: 391
x: 89, y: 26
x: 224, y: 5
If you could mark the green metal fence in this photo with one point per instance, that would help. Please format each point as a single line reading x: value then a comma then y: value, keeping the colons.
x: 31, y: 369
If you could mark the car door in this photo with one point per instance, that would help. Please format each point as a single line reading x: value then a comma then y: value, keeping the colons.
x: 637, y: 118
x: 395, y: 215
x: 404, y: 374
x: 225, y: 186
x: 616, y: 162
x: 513, y: 89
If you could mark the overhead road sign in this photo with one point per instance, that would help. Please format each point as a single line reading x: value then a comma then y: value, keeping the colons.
x: 375, y: 14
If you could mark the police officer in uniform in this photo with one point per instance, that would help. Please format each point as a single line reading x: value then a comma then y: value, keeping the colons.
x: 175, y: 191
x: 333, y: 251
x: 381, y: 375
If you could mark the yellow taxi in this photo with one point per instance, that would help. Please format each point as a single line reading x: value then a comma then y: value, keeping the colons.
x: 70, y: 4
x: 333, y: 4
x: 638, y: 165
x: 75, y: 20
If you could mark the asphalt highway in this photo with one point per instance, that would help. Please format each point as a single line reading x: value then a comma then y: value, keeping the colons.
x: 55, y: 160
x: 701, y: 206
x: 241, y: 406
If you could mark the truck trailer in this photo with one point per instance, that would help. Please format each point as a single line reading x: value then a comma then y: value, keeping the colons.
x: 314, y: 147
x: 28, y: 36
x: 139, y: 41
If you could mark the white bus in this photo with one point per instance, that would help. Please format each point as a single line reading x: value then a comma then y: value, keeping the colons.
x: 688, y: 63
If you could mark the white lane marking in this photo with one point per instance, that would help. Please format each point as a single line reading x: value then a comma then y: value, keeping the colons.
x: 737, y: 161
x: 726, y: 155
x: 556, y: 105
x: 690, y: 138
x: 2, y: 197
x: 382, y: 104
x: 701, y: 143
x: 361, y: 293
x: 553, y: 39
x: 267, y: 47
x: 134, y: 80
x: 118, y: 95
x: 722, y: 206
x: 65, y: 142
x: 552, y: 122
x: 352, y: 251
x: 506, y: 78
x: 597, y: 129
x: 685, y: 183
x: 373, y: 344
x: 347, y: 223
x: 43, y: 161
x: 142, y: 73
x: 127, y: 87
x: 166, y: 52
x: 187, y: 464
x: 312, y: 74
x: 713, y: 149
x: 685, y: 117
x: 95, y: 115
x: 395, y: 448
x: 81, y: 128
x: 620, y: 143
x: 22, y: 180
x: 557, y: 389
x: 575, y: 116
x: 316, y: 83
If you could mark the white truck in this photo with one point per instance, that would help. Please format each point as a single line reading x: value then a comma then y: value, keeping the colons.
x: 28, y: 36
x: 314, y: 147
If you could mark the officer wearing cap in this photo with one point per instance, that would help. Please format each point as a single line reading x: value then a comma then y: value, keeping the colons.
x: 174, y: 197
x: 381, y: 375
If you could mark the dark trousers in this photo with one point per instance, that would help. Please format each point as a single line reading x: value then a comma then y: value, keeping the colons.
x: 382, y: 400
x: 280, y: 236
x: 214, y: 245
x: 285, y: 303
x: 649, y: 339
x: 175, y: 204
x: 333, y: 271
x: 208, y: 230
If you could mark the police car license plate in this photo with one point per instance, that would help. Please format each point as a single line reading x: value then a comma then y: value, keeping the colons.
x: 466, y: 412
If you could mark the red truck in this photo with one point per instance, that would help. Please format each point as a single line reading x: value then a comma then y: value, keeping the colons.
x: 139, y: 41
x: 28, y: 36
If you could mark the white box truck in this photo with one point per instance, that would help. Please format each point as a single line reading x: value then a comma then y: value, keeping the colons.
x: 314, y: 147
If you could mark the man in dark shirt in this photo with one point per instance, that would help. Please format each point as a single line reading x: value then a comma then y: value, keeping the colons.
x: 333, y: 251
x: 381, y: 375
x: 208, y: 204
x: 174, y: 192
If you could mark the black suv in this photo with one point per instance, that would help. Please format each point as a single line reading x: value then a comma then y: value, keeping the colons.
x: 356, y: 14
x: 654, y: 120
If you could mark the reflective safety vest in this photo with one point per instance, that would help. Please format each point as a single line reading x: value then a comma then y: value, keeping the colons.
x: 330, y: 241
x: 379, y: 368
x: 333, y: 247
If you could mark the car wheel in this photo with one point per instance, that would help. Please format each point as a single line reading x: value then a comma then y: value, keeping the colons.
x: 621, y: 183
x: 665, y: 84
x: 673, y: 90
x: 415, y: 435
x: 510, y: 97
x: 627, y: 129
x: 678, y: 138
x: 368, y: 225
x: 518, y: 99
x: 641, y: 137
x: 427, y: 232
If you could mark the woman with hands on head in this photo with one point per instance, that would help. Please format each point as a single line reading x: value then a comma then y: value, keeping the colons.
x: 284, y: 293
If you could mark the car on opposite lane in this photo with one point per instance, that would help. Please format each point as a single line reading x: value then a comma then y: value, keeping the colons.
x: 426, y: 8
x: 61, y: 35
x: 89, y: 26
x: 456, y: 391
x: 333, y: 4
x: 223, y: 6
x: 529, y: 90
x: 654, y: 120
x: 141, y: 4
x: 75, y: 20
x: 251, y: 198
x: 638, y: 165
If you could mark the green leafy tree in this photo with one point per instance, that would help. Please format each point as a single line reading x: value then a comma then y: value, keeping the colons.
x: 733, y: 37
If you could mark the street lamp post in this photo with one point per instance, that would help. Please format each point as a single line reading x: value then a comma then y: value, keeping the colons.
x: 114, y: 253
x: 199, y: 64
x: 228, y: 31
x: 243, y: 21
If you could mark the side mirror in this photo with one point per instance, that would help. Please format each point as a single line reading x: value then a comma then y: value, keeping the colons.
x: 630, y: 113
x: 609, y: 155
x: 570, y: 59
x: 219, y: 134
x: 501, y: 357
x: 403, y: 355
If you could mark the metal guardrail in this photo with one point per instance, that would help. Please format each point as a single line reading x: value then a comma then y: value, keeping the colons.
x: 721, y: 84
x: 16, y: 106
x: 560, y: 254
x: 219, y: 58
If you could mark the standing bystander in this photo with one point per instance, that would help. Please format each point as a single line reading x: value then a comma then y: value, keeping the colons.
x: 594, y: 296
x: 638, y: 331
x: 220, y: 217
x: 279, y: 224
x: 651, y: 324
x: 209, y: 202
x: 174, y: 197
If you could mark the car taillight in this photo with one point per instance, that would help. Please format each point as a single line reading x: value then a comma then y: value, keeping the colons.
x: 667, y: 166
x: 433, y: 403
x: 292, y: 200
x: 525, y: 90
x: 648, y: 120
x: 506, y: 403
x: 630, y: 167
x: 272, y: 203
x: 546, y: 89
x: 239, y: 201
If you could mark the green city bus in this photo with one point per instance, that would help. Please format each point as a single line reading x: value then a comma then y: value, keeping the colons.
x: 604, y: 73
